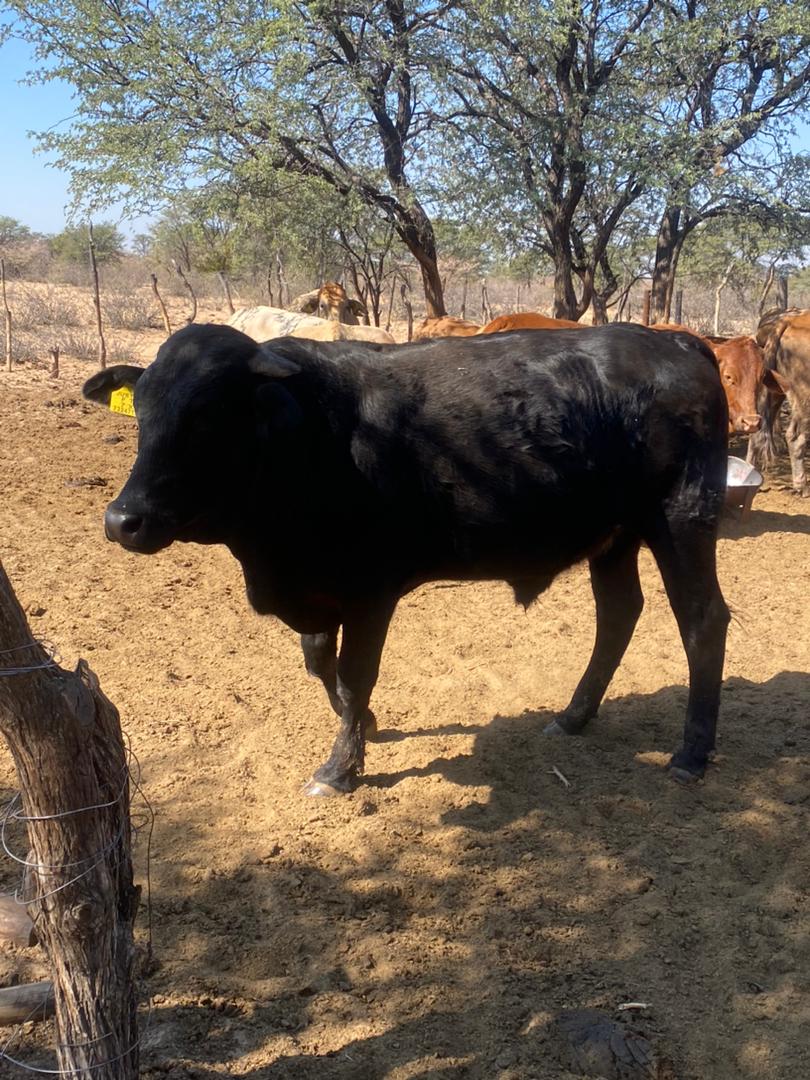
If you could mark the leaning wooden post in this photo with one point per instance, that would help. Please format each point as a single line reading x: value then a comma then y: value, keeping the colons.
x: 66, y: 741
x: 406, y: 303
x: 167, y: 326
x: 645, y: 310
x: 102, y: 345
x: 7, y: 312
x: 192, y: 295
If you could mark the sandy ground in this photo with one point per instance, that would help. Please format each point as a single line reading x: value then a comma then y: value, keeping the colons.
x: 431, y: 923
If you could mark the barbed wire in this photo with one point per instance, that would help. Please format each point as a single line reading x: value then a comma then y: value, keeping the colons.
x: 40, y: 1071
x: 23, y: 669
x: 10, y: 814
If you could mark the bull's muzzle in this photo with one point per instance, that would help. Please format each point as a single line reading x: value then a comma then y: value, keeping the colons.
x: 122, y: 526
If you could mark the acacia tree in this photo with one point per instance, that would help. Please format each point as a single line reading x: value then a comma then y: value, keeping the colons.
x: 585, y: 107
x: 174, y: 89
x: 551, y: 97
x: 737, y: 75
x: 744, y: 254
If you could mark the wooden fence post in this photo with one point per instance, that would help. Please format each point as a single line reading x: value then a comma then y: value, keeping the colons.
x: 486, y: 310
x: 645, y: 310
x: 167, y: 326
x: 102, y: 345
x: 193, y: 296
x: 406, y: 303
x: 65, y: 738
x: 7, y: 312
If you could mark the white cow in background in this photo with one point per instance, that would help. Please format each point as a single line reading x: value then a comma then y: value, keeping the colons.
x: 263, y: 323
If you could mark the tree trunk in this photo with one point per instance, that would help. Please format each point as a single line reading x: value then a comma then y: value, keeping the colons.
x: 416, y: 232
x: 678, y: 317
x: 66, y: 742
x: 718, y: 292
x: 782, y: 292
x: 599, y: 303
x: 226, y: 289
x: 671, y: 235
x: 566, y: 305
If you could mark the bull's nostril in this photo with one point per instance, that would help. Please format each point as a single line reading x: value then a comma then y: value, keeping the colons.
x: 120, y: 525
x: 131, y: 524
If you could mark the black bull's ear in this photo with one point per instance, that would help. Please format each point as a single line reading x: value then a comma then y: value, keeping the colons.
x: 266, y: 361
x: 101, y: 385
x: 278, y: 410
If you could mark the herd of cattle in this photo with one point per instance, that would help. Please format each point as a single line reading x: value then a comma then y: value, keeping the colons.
x: 342, y: 474
x: 758, y: 373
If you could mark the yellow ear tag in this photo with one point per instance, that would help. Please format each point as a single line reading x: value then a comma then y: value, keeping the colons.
x: 121, y: 401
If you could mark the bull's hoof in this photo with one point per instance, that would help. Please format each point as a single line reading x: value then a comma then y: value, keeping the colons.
x: 685, y: 770
x: 557, y: 727
x: 370, y: 726
x: 683, y: 776
x: 321, y: 789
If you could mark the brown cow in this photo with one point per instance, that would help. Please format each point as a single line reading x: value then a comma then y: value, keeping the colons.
x: 330, y: 301
x: 744, y: 373
x: 445, y: 326
x: 527, y: 320
x: 785, y: 337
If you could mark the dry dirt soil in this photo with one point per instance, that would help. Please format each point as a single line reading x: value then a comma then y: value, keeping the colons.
x: 430, y: 924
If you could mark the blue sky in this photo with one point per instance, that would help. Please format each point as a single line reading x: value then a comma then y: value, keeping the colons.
x: 32, y: 190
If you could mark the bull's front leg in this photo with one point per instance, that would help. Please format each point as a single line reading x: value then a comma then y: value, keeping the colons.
x: 364, y: 631
x: 320, y: 658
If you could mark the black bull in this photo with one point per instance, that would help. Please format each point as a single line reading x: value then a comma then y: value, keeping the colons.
x: 342, y: 475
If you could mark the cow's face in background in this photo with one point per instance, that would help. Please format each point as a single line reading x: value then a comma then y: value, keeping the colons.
x: 744, y: 376
x: 203, y: 407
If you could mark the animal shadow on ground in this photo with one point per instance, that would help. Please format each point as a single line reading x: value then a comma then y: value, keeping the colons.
x: 760, y: 522
x: 444, y: 955
x: 516, y: 760
x: 441, y: 950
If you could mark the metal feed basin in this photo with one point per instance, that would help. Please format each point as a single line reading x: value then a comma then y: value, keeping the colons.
x: 743, y: 481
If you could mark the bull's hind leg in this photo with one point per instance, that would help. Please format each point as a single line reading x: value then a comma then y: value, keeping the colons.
x: 358, y: 665
x: 684, y: 548
x: 617, y: 591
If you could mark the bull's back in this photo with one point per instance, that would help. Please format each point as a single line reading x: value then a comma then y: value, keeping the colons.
x: 515, y: 441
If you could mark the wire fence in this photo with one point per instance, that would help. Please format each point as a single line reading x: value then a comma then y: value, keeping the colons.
x: 141, y: 823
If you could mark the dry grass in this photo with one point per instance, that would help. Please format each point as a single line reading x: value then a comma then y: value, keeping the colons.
x: 130, y: 311
x: 35, y: 305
